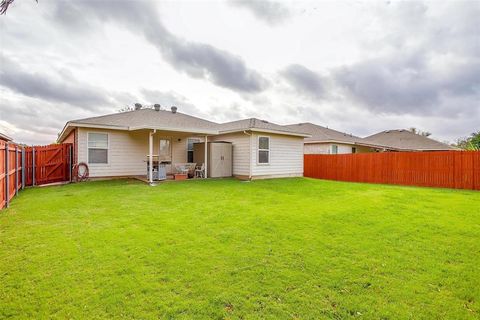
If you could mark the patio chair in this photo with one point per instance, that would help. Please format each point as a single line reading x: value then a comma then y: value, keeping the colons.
x: 200, y: 171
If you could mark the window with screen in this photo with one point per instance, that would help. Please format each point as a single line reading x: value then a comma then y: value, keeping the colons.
x: 264, y: 150
x: 97, y: 148
x: 190, y: 142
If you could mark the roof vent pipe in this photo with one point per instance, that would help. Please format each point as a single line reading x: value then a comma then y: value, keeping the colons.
x: 138, y: 106
x: 156, y: 106
x: 174, y: 109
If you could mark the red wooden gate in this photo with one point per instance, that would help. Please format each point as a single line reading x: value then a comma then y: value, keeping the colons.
x: 49, y: 163
x: 20, y: 167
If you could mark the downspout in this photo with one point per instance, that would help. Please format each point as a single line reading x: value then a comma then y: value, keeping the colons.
x: 249, y: 155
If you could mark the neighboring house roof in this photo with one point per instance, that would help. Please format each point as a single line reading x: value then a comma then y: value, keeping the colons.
x: 407, y: 140
x: 4, y: 137
x: 254, y: 124
x: 321, y: 134
x: 171, y: 121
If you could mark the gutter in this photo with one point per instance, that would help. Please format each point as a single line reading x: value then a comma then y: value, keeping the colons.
x: 114, y: 127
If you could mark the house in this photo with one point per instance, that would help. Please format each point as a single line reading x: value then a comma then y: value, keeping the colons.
x: 324, y: 140
x: 119, y: 145
x: 405, y: 140
x: 4, y: 137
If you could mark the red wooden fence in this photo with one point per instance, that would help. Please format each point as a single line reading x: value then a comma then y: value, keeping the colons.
x: 52, y: 164
x: 449, y: 169
x: 28, y: 166
x: 10, y: 171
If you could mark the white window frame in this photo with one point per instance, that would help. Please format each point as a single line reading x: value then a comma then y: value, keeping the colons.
x: 192, y: 138
x: 258, y: 151
x: 331, y: 149
x: 88, y: 149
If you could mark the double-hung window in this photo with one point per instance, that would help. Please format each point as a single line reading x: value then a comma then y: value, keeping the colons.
x: 263, y: 150
x: 190, y: 142
x: 98, y: 148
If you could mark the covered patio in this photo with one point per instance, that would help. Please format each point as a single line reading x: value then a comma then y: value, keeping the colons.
x: 170, y: 151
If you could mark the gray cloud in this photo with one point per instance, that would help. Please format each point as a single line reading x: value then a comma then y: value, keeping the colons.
x: 304, y: 80
x: 270, y: 12
x: 400, y: 84
x: 37, y: 121
x: 198, y: 60
x: 170, y: 98
x: 61, y: 89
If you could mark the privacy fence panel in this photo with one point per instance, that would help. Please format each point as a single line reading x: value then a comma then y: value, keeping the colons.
x: 48, y: 164
x: 3, y: 170
x: 29, y: 166
x: 448, y: 169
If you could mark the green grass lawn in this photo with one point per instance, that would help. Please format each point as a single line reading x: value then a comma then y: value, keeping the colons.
x: 276, y: 249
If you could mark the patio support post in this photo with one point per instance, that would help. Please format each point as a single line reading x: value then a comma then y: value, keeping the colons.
x: 206, y: 157
x: 150, y: 157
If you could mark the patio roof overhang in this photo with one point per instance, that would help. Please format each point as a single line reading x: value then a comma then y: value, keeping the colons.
x: 194, y: 131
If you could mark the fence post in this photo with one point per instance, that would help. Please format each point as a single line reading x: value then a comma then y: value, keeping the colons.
x: 23, y: 168
x: 33, y: 166
x: 7, y: 184
x: 16, y: 169
x: 70, y: 163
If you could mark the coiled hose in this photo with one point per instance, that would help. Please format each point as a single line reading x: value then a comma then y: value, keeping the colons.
x: 80, y: 172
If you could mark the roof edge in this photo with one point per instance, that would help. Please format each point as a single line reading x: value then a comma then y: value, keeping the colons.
x: 69, y: 124
x: 352, y: 143
x: 286, y: 133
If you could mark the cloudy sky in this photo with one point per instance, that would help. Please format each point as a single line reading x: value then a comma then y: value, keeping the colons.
x: 358, y: 67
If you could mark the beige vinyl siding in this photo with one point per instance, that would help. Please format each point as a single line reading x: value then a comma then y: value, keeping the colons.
x: 286, y: 157
x: 241, y: 146
x: 128, y: 151
x: 326, y: 148
x: 179, y: 150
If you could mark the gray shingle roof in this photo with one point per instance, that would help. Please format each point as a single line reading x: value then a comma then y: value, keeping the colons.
x: 253, y: 123
x: 150, y: 118
x: 323, y: 134
x: 406, y: 140
x: 162, y: 119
